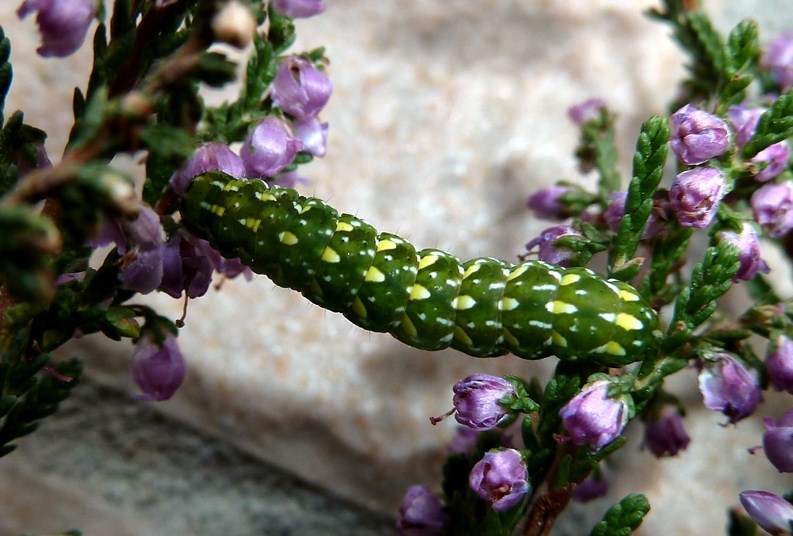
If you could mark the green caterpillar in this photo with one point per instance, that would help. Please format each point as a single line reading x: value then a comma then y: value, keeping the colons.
x: 427, y: 299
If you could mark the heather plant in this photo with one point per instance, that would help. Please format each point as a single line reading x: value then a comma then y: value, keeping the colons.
x: 715, y: 166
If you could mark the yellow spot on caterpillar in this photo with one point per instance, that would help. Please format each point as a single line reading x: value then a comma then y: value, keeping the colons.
x: 560, y: 307
x: 252, y: 224
x: 358, y: 308
x: 230, y: 187
x: 418, y: 292
x: 628, y: 296
x: 287, y: 238
x: 471, y: 269
x: 306, y: 208
x: 462, y: 336
x: 507, y: 304
x: 385, y: 245
x: 517, y: 272
x: 330, y: 255
x: 628, y: 322
x: 461, y: 303
x: 510, y: 338
x: 264, y: 196
x: 344, y: 227
x: 558, y: 340
x: 407, y: 326
x: 569, y: 279
x: 217, y: 209
x: 614, y: 348
x: 373, y: 275
x: 427, y: 260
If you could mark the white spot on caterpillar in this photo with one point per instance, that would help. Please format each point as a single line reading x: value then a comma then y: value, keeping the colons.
x: 569, y: 279
x: 418, y: 292
x: 287, y: 238
x: 461, y: 303
x: 612, y: 287
x: 508, y: 304
x: 330, y: 255
x: 540, y: 288
x: 608, y: 317
x: 373, y: 275
x: 628, y: 322
x: 556, y: 275
x: 540, y: 324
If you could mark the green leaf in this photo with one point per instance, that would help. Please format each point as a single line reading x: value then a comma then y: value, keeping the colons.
x: 624, y: 517
x: 743, y: 45
x: 775, y: 125
x: 119, y: 322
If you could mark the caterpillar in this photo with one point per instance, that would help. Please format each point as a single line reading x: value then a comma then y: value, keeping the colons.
x: 427, y: 299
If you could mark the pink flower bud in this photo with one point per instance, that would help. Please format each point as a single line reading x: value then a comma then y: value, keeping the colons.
x: 697, y: 136
x: 779, y: 362
x: 773, y: 513
x: 772, y: 205
x: 62, y: 23
x: 744, y: 121
x: 695, y: 196
x: 728, y: 386
x: 586, y: 111
x: 476, y: 401
x: 546, y: 248
x: 748, y: 243
x: 269, y: 148
x: 421, y: 513
x: 771, y: 161
x: 500, y: 478
x: 299, y: 8
x: 665, y: 436
x: 546, y: 205
x: 214, y: 156
x: 592, y: 418
x: 158, y: 370
x: 778, y: 58
x: 299, y: 88
x: 778, y: 442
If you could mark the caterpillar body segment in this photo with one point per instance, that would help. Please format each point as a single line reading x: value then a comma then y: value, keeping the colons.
x: 428, y: 299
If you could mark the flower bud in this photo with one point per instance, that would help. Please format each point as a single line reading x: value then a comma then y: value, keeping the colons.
x: 548, y: 251
x: 695, y: 196
x: 748, y: 243
x: 546, y: 204
x: 778, y: 59
x: 313, y: 134
x: 771, y: 161
x: 299, y: 88
x: 269, y: 148
x: 214, y: 156
x: 62, y: 23
x: 616, y: 211
x: 697, y: 136
x: 157, y: 370
x: 665, y: 436
x: 591, y: 488
x: 779, y: 362
x: 421, y: 513
x: 744, y: 121
x: 476, y: 401
x: 773, y: 513
x: 184, y: 269
x: 586, y: 111
x: 778, y: 442
x: 727, y: 386
x: 299, y: 8
x: 145, y: 230
x: 500, y: 478
x: 593, y: 418
x: 772, y: 205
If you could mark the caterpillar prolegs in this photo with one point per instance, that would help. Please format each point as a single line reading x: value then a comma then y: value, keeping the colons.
x: 428, y: 299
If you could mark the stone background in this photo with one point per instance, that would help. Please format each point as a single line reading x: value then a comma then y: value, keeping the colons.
x: 445, y: 116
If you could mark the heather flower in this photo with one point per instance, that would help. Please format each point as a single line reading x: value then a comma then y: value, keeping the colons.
x: 546, y: 203
x: 744, y: 121
x: 778, y: 442
x: 185, y: 268
x: 421, y: 513
x: 500, y: 478
x: 62, y: 23
x: 779, y: 362
x: 772, y: 205
x: 157, y: 370
x: 748, y: 243
x: 214, y: 156
x: 593, y: 418
x: 269, y: 148
x: 727, y: 386
x: 144, y: 273
x: 299, y: 8
x: 665, y: 435
x: 299, y: 88
x: 778, y: 58
x: 616, y: 211
x: 313, y: 134
x: 771, y: 161
x: 695, y: 196
x: 476, y: 401
x: 771, y: 512
x: 586, y: 111
x: 591, y: 488
x: 548, y: 251
x: 697, y: 136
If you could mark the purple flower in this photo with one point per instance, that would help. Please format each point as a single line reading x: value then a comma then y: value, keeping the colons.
x: 500, y: 478
x: 145, y: 230
x: 546, y: 203
x: 214, y: 156
x: 771, y: 161
x: 592, y: 418
x: 299, y: 88
x: 778, y: 442
x: 616, y: 211
x: 546, y: 248
x: 773, y: 513
x: 269, y: 148
x: 157, y: 370
x: 748, y: 243
x: 695, y: 196
x: 697, y: 136
x: 586, y: 111
x: 313, y: 134
x: 778, y: 58
x: 744, y: 121
x: 476, y: 401
x: 727, y: 386
x: 591, y: 488
x: 421, y: 513
x: 62, y: 23
x: 185, y: 268
x: 144, y: 273
x: 665, y: 436
x: 779, y: 362
x: 772, y: 205
x: 299, y: 8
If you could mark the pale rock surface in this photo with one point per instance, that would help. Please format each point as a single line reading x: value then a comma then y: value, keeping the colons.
x: 445, y: 116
